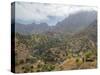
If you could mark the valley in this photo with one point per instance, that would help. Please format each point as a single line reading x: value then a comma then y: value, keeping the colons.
x: 53, y: 51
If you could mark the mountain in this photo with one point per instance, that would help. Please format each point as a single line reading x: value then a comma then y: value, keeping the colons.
x: 90, y: 32
x: 59, y: 53
x: 71, y: 24
x: 53, y: 52
x: 86, y: 39
x: 31, y: 28
x: 76, y: 22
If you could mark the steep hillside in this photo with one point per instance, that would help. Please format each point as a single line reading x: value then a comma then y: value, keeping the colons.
x: 76, y: 22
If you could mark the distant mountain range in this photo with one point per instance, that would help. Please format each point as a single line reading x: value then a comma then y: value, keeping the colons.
x: 31, y: 28
x: 71, y: 24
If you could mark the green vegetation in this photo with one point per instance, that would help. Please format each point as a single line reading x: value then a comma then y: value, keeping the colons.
x: 44, y: 52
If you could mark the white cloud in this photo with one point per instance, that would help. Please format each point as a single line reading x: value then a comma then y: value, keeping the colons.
x: 39, y: 12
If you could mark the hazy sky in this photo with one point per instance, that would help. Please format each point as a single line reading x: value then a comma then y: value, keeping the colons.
x: 28, y: 13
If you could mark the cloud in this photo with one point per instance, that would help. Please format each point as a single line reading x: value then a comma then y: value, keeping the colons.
x: 41, y: 12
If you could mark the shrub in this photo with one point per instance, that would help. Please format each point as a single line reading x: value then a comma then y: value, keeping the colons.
x: 78, y: 61
x: 48, y: 67
x: 21, y: 61
x: 88, y: 54
x: 23, y: 67
x: 31, y: 67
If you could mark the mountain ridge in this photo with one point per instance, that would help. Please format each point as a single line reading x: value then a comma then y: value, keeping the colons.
x: 71, y: 24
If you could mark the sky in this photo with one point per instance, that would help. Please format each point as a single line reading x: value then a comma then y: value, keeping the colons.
x: 27, y: 13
